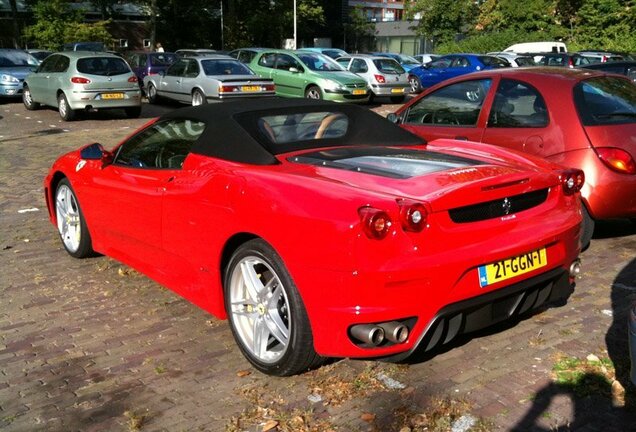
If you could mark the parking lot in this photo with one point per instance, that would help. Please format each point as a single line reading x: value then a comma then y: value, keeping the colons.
x: 92, y: 345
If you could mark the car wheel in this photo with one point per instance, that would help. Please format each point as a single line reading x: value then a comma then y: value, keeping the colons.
x: 133, y: 112
x: 588, y: 228
x: 313, y: 92
x: 267, y: 316
x: 70, y: 222
x: 152, y: 94
x: 198, y: 98
x: 416, y: 84
x: 66, y: 112
x: 397, y: 99
x: 27, y: 99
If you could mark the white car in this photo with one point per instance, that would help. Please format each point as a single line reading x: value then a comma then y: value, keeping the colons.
x: 384, y: 75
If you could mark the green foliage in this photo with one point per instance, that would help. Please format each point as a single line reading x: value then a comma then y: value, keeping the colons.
x: 359, y: 30
x: 488, y: 42
x: 56, y: 23
x: 443, y: 20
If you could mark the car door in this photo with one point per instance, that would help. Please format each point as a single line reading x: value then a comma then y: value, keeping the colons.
x: 58, y: 79
x: 190, y: 79
x: 435, y: 72
x: 170, y: 83
x: 38, y: 80
x: 130, y: 190
x: 459, y: 66
x: 454, y: 111
x: 519, y: 119
x: 289, y: 76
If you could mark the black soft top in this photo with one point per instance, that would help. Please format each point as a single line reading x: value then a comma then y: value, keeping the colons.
x: 232, y: 132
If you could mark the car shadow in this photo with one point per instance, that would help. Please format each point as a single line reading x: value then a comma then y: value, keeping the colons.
x: 613, y: 228
x: 591, y: 394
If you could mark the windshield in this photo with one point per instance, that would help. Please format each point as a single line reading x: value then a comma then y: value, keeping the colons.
x: 16, y: 58
x: 105, y: 66
x: 404, y: 59
x: 606, y: 100
x: 319, y: 62
x: 225, y: 67
x: 493, y: 61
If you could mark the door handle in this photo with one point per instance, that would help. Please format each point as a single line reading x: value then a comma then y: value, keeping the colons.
x: 461, y: 138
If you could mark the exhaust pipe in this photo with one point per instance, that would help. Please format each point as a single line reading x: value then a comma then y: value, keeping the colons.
x: 368, y: 333
x: 575, y: 268
x: 395, y: 332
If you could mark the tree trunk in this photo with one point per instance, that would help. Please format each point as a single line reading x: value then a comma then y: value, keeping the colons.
x: 16, y: 24
x: 153, y: 24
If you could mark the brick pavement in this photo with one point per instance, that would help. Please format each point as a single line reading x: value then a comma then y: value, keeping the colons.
x: 89, y: 344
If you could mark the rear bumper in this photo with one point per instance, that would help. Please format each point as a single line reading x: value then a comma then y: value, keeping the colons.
x: 391, y: 89
x: 79, y: 100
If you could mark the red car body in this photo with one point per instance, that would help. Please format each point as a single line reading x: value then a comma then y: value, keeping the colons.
x: 333, y: 210
x: 572, y: 131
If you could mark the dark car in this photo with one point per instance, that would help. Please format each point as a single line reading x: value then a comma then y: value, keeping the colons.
x: 450, y: 66
x: 245, y: 55
x: 149, y: 63
x: 632, y: 341
x: 627, y: 68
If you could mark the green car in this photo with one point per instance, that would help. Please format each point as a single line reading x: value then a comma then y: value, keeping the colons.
x: 309, y: 74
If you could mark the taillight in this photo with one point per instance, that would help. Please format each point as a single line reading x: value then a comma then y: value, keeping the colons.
x: 375, y: 223
x: 80, y: 80
x: 572, y: 180
x: 269, y: 87
x: 227, y: 89
x: 133, y: 79
x: 412, y: 215
x: 617, y: 159
x: 153, y: 73
x: 380, y: 78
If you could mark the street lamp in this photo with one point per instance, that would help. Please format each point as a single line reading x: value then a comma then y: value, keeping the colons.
x: 295, y: 43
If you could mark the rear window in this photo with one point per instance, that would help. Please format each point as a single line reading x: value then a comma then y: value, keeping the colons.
x: 493, y: 61
x: 225, y: 67
x: 286, y: 128
x: 605, y: 100
x: 105, y: 66
x: 162, y: 59
x: 388, y: 66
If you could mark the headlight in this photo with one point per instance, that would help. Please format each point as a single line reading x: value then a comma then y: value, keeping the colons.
x: 9, y: 79
x: 334, y: 86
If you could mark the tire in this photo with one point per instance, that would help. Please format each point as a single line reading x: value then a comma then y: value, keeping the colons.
x: 198, y: 98
x: 416, y: 84
x: 66, y: 112
x: 397, y: 99
x: 133, y: 112
x: 588, y: 228
x: 262, y: 301
x: 371, y: 97
x: 71, y: 224
x: 313, y: 92
x: 153, y: 98
x: 27, y: 99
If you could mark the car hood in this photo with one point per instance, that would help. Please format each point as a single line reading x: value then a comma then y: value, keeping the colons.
x: 443, y: 179
x: 20, y: 72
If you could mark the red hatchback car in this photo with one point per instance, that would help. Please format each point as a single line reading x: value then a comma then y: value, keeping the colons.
x: 321, y: 229
x: 576, y: 118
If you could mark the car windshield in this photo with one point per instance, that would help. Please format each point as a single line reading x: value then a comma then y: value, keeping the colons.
x: 16, y: 58
x: 40, y: 55
x: 225, y: 67
x: 104, y: 66
x: 319, y: 62
x: 493, y: 61
x: 404, y: 59
x: 389, y: 66
x: 334, y: 54
x: 286, y: 128
x: 162, y: 59
x: 606, y: 100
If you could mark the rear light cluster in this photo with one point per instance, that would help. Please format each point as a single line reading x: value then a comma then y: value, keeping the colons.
x: 133, y: 79
x: 377, y: 223
x: 380, y: 78
x: 617, y: 160
x: 237, y: 88
x: 572, y: 180
x: 80, y: 80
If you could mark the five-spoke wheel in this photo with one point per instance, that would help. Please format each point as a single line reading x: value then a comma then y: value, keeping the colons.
x: 70, y: 222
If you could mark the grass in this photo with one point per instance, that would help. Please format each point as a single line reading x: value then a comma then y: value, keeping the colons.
x: 585, y: 377
x: 439, y: 417
x: 135, y: 420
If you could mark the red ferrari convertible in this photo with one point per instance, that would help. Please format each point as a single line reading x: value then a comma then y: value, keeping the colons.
x: 324, y: 230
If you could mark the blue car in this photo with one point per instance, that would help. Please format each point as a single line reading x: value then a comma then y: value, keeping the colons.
x: 407, y: 62
x: 149, y: 63
x: 15, y: 65
x: 450, y: 66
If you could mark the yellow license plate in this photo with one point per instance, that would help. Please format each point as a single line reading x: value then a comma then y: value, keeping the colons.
x: 397, y: 90
x: 359, y: 92
x: 506, y: 269
x: 251, y: 88
x: 112, y: 95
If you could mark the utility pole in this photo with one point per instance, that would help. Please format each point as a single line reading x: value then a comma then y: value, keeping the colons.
x: 295, y: 34
x: 222, y: 44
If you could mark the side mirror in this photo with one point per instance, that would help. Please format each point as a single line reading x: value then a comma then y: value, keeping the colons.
x: 162, y: 73
x: 393, y: 118
x: 294, y: 70
x: 96, y: 151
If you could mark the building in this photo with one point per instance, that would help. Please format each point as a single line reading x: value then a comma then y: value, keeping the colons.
x: 380, y: 10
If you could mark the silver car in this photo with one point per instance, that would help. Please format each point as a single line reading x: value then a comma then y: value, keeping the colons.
x: 81, y: 80
x: 198, y: 80
x: 384, y: 75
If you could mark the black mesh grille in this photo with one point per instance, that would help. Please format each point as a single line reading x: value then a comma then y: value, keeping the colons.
x: 498, y: 208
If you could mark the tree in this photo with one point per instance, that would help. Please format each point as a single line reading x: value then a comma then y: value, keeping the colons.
x: 56, y: 23
x: 359, y: 28
x: 16, y: 24
x: 443, y: 20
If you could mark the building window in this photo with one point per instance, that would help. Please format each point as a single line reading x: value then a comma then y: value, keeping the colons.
x: 123, y: 43
x: 146, y: 43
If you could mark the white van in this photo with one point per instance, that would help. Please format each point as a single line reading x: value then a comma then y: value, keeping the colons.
x: 538, y: 47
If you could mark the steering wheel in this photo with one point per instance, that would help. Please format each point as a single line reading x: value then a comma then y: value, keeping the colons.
x: 325, y: 123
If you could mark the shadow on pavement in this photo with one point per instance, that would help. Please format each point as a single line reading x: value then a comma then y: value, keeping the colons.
x: 614, y: 228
